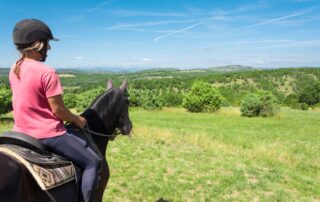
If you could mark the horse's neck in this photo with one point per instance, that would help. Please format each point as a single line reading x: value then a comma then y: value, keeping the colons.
x: 96, y: 124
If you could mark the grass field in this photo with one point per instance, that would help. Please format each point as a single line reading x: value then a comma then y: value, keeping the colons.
x: 178, y: 156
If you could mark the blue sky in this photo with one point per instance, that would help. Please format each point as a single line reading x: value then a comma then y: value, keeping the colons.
x: 171, y: 33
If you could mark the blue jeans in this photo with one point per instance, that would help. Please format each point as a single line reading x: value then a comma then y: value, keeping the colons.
x: 76, y: 150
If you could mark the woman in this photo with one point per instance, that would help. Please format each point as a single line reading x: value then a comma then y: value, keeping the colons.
x: 38, y: 107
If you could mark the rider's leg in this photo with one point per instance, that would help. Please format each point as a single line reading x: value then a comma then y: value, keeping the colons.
x: 75, y: 149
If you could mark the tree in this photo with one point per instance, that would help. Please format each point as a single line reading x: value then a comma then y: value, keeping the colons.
x: 202, y: 97
x: 84, y: 99
x: 310, y: 93
x: 70, y: 100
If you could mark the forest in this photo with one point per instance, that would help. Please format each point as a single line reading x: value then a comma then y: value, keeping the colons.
x: 298, y: 88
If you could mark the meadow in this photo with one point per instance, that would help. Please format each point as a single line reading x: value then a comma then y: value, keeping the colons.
x: 174, y: 155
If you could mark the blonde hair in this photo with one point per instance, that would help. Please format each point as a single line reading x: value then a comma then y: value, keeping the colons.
x: 23, y: 49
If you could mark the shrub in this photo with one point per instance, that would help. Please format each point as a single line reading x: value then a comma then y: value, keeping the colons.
x: 5, y: 100
x: 269, y: 104
x: 300, y: 106
x: 250, y: 105
x: 84, y: 99
x: 172, y: 99
x: 310, y: 94
x: 262, y: 103
x: 151, y: 100
x: 202, y: 98
x: 316, y: 106
x: 70, y: 100
x: 135, y: 97
x: 291, y: 100
x: 308, y: 90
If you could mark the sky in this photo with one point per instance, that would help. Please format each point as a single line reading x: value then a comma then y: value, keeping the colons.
x: 170, y: 33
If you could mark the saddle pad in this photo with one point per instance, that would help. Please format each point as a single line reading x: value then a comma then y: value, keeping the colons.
x: 47, y: 176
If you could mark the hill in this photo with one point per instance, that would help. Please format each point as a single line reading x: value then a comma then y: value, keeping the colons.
x: 232, y: 68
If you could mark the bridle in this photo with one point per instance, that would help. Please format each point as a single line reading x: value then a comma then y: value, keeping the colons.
x: 112, y: 136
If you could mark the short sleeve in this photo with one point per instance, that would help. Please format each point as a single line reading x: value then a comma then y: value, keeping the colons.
x: 51, y: 84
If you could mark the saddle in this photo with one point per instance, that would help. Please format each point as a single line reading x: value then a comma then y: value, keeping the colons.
x: 48, y: 169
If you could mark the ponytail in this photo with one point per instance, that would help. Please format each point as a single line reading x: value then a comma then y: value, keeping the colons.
x: 23, y: 49
x: 16, y: 67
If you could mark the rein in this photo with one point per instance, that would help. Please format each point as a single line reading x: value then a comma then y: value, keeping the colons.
x: 113, y: 135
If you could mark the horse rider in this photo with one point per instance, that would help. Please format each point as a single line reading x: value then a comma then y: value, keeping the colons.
x: 38, y: 107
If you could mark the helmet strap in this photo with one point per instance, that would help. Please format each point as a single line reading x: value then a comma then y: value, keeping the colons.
x: 43, y: 51
x: 43, y: 54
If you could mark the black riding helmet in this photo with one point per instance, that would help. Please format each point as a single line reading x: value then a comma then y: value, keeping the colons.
x: 30, y: 30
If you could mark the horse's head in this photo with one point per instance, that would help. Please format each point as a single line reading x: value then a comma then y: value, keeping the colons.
x: 112, y: 109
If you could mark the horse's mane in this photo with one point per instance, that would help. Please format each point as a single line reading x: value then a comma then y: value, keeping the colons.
x: 104, y: 110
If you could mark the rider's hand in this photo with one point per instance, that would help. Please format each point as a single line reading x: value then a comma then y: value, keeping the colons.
x: 81, y: 121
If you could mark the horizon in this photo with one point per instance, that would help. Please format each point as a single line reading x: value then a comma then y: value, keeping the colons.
x: 184, y: 34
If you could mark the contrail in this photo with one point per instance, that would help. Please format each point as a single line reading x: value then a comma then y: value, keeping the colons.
x: 189, y: 27
x: 274, y: 20
x: 178, y: 31
x: 99, y: 6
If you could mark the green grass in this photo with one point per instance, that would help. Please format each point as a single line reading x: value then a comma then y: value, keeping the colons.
x: 174, y: 155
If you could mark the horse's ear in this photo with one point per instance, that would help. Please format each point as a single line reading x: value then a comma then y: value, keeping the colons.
x: 109, y: 84
x: 124, y: 85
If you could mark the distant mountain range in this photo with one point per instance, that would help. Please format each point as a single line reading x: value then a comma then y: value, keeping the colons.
x: 103, y: 69
x: 110, y: 70
x: 232, y: 68
x: 229, y: 68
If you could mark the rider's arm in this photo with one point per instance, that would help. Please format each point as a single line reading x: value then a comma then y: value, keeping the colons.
x: 62, y: 112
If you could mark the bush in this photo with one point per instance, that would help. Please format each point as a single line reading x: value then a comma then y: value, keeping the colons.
x: 262, y: 103
x: 250, y: 105
x: 135, y: 97
x: 172, y: 99
x: 310, y: 94
x: 308, y: 90
x: 151, y: 100
x: 70, y: 100
x: 84, y: 99
x: 316, y: 106
x: 5, y: 100
x: 269, y: 104
x: 291, y: 100
x: 202, y: 98
x: 300, y: 106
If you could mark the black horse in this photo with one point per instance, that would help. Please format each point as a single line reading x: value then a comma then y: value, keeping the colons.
x: 107, y: 114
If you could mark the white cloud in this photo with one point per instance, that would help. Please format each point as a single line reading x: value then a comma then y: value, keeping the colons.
x: 145, y: 59
x: 77, y: 57
x: 284, y: 43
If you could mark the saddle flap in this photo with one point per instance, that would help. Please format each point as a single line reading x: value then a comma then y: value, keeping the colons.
x: 23, y: 140
x: 49, y: 172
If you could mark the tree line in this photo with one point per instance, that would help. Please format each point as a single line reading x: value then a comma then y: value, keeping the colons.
x: 295, y: 87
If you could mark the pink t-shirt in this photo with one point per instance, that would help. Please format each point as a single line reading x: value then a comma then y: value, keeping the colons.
x: 31, y: 111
